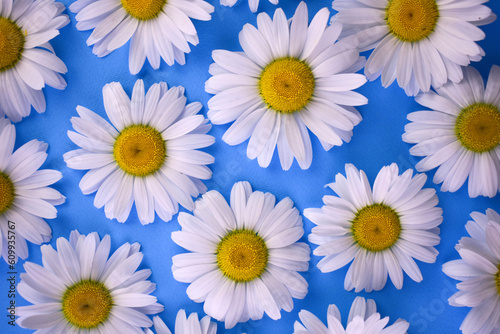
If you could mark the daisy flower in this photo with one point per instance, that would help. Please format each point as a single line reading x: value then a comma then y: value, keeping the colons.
x: 155, y: 28
x: 80, y: 289
x: 363, y: 319
x: 291, y: 77
x: 461, y: 134
x: 244, y: 257
x: 479, y: 273
x: 25, y: 196
x: 417, y: 42
x: 381, y: 231
x: 253, y: 4
x: 27, y: 60
x: 185, y: 325
x: 148, y: 155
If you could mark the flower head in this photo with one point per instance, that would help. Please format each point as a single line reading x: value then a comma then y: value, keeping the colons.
x: 184, y: 325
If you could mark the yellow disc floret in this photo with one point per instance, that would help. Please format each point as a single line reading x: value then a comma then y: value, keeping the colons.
x: 411, y: 20
x: 143, y: 9
x: 376, y: 227
x: 497, y: 279
x: 286, y: 85
x: 11, y: 44
x: 140, y: 150
x: 242, y: 255
x: 478, y: 127
x: 6, y: 192
x: 87, y: 304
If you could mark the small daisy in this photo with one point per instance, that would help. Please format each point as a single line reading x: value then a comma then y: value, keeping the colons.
x: 148, y: 156
x: 417, y: 42
x: 253, y: 4
x: 461, y: 135
x: 25, y: 198
x: 27, y: 60
x: 291, y: 77
x: 80, y: 289
x: 244, y: 258
x: 184, y: 325
x: 156, y: 28
x: 381, y: 230
x: 479, y: 271
x: 363, y: 319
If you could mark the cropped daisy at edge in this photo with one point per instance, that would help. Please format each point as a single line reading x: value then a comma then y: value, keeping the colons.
x: 184, y: 325
x: 149, y: 155
x: 292, y: 77
x: 381, y: 231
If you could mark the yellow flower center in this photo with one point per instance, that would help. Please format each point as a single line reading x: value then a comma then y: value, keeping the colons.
x: 140, y: 150
x: 144, y: 9
x: 242, y: 255
x: 6, y: 193
x: 376, y: 227
x: 286, y: 85
x: 411, y: 20
x: 11, y: 44
x: 87, y: 304
x: 478, y: 127
x: 497, y: 279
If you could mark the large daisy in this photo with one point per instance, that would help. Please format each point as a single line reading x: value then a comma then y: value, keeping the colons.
x: 184, y: 325
x: 291, y: 77
x: 155, y: 28
x: 25, y: 196
x: 253, y: 4
x: 81, y: 289
x: 27, y: 60
x: 461, y: 134
x: 363, y: 319
x: 148, y: 156
x: 381, y: 231
x: 479, y: 273
x: 244, y: 258
x: 417, y: 42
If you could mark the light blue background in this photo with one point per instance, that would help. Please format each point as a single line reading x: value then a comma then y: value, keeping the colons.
x: 376, y: 142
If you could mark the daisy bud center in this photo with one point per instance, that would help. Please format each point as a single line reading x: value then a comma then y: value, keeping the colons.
x: 242, y: 255
x: 411, y: 20
x: 376, y: 227
x: 144, y: 9
x: 6, y: 192
x: 478, y: 127
x: 140, y: 150
x: 11, y: 44
x: 286, y: 85
x: 87, y: 304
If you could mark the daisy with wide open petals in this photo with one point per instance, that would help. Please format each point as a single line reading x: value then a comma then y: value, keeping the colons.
x: 381, y: 231
x: 155, y: 28
x: 184, y: 325
x: 25, y: 196
x: 27, y: 60
x: 253, y: 4
x: 418, y: 42
x: 479, y: 273
x: 291, y: 77
x: 244, y: 257
x: 363, y: 319
x: 149, y: 156
x: 81, y: 289
x: 461, y: 134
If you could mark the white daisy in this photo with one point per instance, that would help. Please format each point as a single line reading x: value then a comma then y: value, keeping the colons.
x: 80, y: 289
x: 290, y: 78
x: 25, y: 198
x: 253, y: 4
x: 417, y: 42
x: 243, y: 259
x: 461, y: 134
x: 27, y: 60
x: 148, y: 156
x: 363, y: 319
x: 184, y: 325
x: 479, y: 271
x: 382, y: 230
x: 156, y: 28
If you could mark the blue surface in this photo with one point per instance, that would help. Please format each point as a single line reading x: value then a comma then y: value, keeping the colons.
x: 376, y: 142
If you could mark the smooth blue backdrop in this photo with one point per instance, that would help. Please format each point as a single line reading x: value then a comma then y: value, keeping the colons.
x: 376, y: 142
